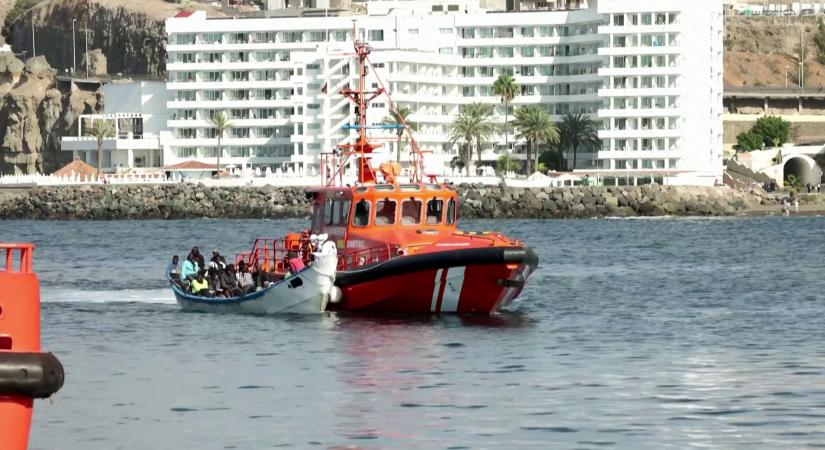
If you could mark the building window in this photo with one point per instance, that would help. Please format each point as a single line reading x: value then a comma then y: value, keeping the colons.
x: 212, y: 96
x: 238, y: 57
x: 185, y: 96
x: 239, y: 113
x: 445, y: 50
x: 445, y: 30
x: 187, y: 152
x: 238, y: 75
x: 239, y: 152
x: 376, y: 35
x: 186, y: 133
x: 212, y: 38
x: 184, y: 39
x: 186, y: 57
x: 317, y: 36
x: 239, y: 133
x: 212, y: 76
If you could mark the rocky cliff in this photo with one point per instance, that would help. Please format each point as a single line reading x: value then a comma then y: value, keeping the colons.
x: 178, y: 201
x: 35, y: 111
x: 132, y: 41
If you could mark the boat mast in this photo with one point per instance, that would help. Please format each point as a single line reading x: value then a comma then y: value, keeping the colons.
x: 362, y: 98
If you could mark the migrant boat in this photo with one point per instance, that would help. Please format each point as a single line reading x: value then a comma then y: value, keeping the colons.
x: 308, y: 291
x: 399, y: 248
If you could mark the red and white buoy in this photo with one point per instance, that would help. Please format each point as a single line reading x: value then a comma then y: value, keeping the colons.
x: 25, y: 372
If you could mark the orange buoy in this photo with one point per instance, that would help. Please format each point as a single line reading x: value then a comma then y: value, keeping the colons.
x: 25, y: 373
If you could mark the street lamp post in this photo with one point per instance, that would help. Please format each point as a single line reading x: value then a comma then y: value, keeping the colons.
x: 86, y: 55
x: 74, y: 49
x: 786, y: 76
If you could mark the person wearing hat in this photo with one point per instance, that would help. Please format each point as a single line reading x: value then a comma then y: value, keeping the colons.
x: 327, y: 247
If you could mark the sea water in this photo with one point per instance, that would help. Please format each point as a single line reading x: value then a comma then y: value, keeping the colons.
x: 669, y: 333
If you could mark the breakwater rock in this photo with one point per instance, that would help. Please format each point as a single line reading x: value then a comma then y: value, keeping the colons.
x: 478, y: 201
x: 184, y: 200
x: 177, y: 201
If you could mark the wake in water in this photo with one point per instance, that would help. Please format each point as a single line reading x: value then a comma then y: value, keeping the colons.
x: 158, y: 296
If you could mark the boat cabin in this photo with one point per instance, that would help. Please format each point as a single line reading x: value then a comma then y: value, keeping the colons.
x: 383, y: 209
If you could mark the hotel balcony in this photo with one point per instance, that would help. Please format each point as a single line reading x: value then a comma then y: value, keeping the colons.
x: 639, y: 71
x: 640, y: 51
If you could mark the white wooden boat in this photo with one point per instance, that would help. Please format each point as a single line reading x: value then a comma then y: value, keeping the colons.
x: 307, y: 292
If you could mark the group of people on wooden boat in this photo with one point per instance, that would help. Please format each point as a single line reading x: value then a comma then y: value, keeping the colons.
x: 217, y: 279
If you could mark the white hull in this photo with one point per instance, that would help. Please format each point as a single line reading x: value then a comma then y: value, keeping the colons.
x: 306, y: 292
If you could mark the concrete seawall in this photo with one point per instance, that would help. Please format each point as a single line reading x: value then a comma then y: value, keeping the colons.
x: 477, y: 201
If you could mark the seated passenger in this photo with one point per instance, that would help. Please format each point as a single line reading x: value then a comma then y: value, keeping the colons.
x: 199, y: 285
x: 215, y: 286
x: 296, y: 264
x: 229, y: 283
x: 244, y: 278
x: 189, y: 269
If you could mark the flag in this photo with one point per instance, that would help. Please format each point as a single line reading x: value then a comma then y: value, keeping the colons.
x: 324, y: 88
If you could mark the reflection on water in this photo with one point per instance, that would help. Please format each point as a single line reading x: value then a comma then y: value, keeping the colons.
x: 632, y: 334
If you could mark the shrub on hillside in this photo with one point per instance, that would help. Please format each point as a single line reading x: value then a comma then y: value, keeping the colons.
x: 774, y: 130
x: 749, y: 141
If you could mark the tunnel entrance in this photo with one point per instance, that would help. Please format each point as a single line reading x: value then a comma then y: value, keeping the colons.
x: 802, y: 169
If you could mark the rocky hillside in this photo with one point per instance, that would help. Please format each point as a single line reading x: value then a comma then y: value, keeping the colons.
x: 35, y: 111
x: 758, y: 49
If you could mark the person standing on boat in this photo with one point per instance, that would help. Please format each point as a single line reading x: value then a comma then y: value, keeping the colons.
x: 328, y: 247
x: 172, y: 273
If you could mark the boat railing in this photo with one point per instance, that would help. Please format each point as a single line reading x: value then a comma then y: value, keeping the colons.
x: 356, y: 258
x: 271, y: 254
x: 24, y: 257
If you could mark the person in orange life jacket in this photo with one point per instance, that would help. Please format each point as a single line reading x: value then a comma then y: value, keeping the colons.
x: 296, y: 264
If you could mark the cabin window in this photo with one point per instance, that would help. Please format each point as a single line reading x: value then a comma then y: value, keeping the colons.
x: 328, y: 212
x: 362, y: 214
x: 336, y: 213
x: 411, y: 212
x: 385, y: 212
x: 435, y: 209
x: 345, y: 205
x: 451, y: 212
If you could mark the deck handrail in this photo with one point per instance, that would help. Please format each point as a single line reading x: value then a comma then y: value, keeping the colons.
x: 24, y: 250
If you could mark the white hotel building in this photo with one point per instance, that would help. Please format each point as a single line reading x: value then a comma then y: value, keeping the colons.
x: 651, y: 71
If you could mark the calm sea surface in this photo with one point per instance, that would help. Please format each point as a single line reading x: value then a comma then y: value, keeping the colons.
x: 636, y: 334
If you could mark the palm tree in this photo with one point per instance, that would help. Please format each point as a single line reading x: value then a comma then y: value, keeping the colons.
x: 578, y: 131
x: 220, y: 124
x: 535, y: 126
x: 398, y: 117
x: 100, y: 129
x: 505, y: 87
x: 485, y: 128
x: 473, y: 124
